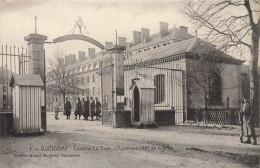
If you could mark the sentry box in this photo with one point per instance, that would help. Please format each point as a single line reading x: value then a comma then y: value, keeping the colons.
x: 27, y: 100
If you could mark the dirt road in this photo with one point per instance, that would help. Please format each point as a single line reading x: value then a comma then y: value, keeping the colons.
x: 77, y: 143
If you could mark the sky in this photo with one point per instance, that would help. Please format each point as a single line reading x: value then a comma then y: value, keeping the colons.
x: 102, y: 18
x: 57, y: 17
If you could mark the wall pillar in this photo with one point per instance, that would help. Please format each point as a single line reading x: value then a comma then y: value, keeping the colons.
x: 117, y: 55
x: 36, y: 65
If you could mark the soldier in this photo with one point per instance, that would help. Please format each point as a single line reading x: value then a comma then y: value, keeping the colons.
x: 247, y: 126
x: 78, y: 109
x: 98, y: 108
x: 86, y: 109
x: 92, y: 108
x: 67, y: 108
x: 56, y: 108
x: 83, y: 109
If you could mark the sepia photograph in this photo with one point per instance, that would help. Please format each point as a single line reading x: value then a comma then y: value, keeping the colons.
x: 129, y: 83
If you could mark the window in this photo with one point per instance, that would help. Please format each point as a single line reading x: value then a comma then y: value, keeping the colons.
x: 87, y: 79
x: 82, y: 80
x: 215, y: 93
x: 93, y: 91
x: 159, y: 83
x: 4, y: 88
x: 84, y: 67
x: 94, y: 65
x: 4, y: 98
x: 93, y: 78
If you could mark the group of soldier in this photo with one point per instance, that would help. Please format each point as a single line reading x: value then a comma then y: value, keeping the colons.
x: 83, y: 108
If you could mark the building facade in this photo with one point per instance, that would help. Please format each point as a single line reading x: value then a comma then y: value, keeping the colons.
x: 166, y: 59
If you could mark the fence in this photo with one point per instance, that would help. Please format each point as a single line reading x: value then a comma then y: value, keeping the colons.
x: 12, y: 60
x: 218, y: 116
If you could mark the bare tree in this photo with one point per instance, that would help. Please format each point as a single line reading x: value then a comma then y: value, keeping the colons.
x: 204, y: 75
x: 233, y: 26
x: 60, y: 77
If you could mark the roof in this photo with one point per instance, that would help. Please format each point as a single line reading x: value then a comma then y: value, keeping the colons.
x: 193, y: 46
x: 142, y: 85
x: 181, y: 43
x: 26, y: 80
x: 173, y: 33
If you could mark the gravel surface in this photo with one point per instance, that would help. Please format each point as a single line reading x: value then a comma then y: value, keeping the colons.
x: 78, y: 143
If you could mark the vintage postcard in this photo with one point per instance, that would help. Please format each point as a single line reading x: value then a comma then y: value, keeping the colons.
x: 149, y: 83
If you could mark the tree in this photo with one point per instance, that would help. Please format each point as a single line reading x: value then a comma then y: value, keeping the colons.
x: 234, y: 27
x: 60, y: 79
x: 205, y: 75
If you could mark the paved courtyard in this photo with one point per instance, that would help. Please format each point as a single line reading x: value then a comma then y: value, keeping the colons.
x: 78, y: 143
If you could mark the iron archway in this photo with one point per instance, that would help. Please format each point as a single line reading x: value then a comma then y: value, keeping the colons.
x: 79, y: 37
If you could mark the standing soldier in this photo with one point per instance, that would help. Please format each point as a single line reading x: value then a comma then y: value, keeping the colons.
x: 92, y: 108
x: 247, y: 126
x: 56, y: 106
x: 86, y: 109
x: 78, y: 109
x: 98, y: 108
x: 83, y: 109
x: 67, y: 108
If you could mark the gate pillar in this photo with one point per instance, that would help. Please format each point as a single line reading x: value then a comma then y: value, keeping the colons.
x: 117, y: 54
x: 36, y: 65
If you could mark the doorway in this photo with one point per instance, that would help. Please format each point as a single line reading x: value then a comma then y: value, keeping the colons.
x: 136, y: 97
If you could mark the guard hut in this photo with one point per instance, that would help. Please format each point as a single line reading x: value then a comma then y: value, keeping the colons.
x: 143, y: 102
x: 27, y: 101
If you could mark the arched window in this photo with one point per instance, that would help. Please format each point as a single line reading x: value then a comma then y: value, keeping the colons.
x: 93, y: 78
x: 159, y: 83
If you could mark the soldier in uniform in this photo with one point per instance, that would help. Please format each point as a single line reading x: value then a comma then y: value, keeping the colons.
x: 92, y: 108
x: 67, y: 108
x: 98, y: 108
x: 79, y: 108
x: 86, y: 109
x: 247, y: 126
x: 56, y: 108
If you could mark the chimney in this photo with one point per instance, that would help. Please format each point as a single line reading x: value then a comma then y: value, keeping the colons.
x: 91, y: 52
x: 163, y: 28
x: 72, y: 58
x: 81, y: 55
x: 108, y: 45
x: 136, y: 37
x: 122, y: 41
x: 145, y: 34
x: 184, y: 28
x: 129, y: 45
x: 67, y: 59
